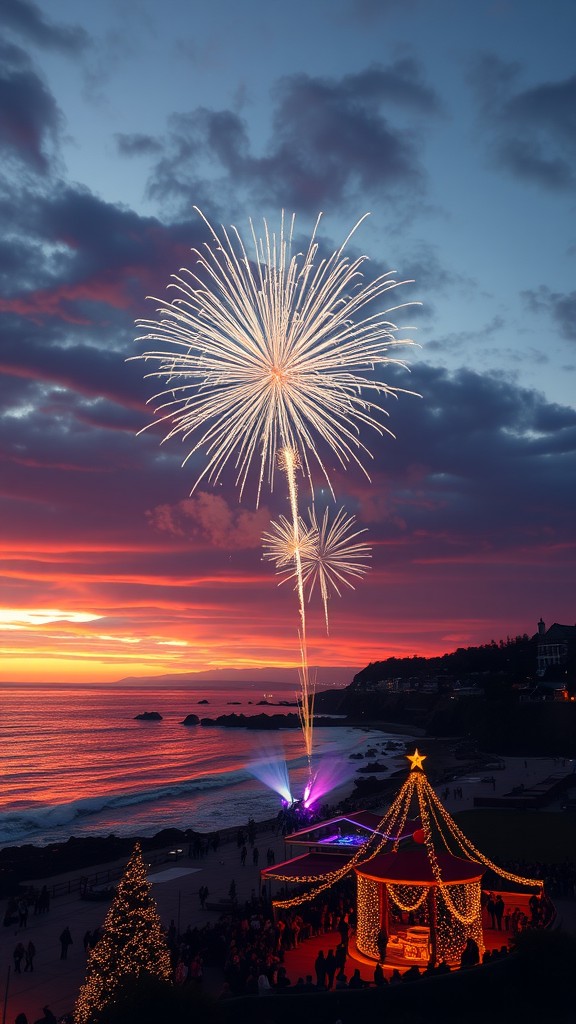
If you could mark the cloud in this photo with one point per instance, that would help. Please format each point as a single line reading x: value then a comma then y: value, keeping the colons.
x: 479, y: 460
x: 531, y: 131
x: 137, y: 144
x: 29, y: 21
x: 331, y: 140
x: 210, y: 518
x: 561, y: 307
x: 84, y: 258
x: 30, y: 121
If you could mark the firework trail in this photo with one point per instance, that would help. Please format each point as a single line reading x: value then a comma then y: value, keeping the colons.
x: 267, y: 355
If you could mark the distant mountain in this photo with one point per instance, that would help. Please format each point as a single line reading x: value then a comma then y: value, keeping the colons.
x: 284, y: 677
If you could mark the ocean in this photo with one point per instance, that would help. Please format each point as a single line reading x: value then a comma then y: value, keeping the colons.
x: 76, y: 762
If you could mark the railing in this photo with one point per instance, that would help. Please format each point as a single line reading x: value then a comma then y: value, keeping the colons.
x: 90, y: 881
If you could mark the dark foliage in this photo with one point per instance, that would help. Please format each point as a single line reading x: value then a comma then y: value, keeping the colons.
x: 148, y: 1001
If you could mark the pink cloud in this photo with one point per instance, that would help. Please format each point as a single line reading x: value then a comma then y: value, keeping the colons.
x: 210, y: 518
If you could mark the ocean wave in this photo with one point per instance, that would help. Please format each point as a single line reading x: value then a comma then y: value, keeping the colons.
x: 226, y: 796
x: 29, y: 822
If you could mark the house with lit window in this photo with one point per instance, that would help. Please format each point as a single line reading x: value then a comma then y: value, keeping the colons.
x: 553, y: 645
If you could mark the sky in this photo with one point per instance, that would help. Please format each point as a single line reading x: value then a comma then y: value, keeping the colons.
x: 453, y: 125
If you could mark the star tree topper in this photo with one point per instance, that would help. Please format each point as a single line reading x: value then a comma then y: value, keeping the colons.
x: 416, y: 760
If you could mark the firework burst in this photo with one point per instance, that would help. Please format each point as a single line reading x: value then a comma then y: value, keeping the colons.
x: 264, y: 361
x: 263, y: 354
x: 330, y: 553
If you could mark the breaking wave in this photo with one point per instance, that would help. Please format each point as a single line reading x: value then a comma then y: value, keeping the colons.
x: 26, y: 823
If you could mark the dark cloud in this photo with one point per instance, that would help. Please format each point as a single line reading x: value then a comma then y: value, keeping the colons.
x: 561, y: 307
x: 70, y: 291
x: 422, y: 264
x: 532, y: 130
x: 477, y: 458
x: 83, y: 252
x: 459, y: 343
x: 30, y: 21
x: 527, y: 159
x: 331, y: 140
x: 550, y: 105
x: 29, y: 117
x: 479, y: 463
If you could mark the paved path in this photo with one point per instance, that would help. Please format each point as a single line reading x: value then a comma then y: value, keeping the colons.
x: 517, y: 771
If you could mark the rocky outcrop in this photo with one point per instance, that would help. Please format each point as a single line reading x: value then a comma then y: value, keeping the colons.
x: 149, y: 716
x: 268, y: 722
x: 191, y: 720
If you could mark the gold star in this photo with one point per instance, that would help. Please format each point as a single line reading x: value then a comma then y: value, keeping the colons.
x: 416, y: 760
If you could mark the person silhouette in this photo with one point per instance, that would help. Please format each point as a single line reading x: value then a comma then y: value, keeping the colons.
x: 65, y: 941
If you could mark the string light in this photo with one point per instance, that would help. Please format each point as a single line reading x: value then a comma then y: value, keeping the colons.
x: 368, y: 916
x: 399, y: 894
x: 468, y: 846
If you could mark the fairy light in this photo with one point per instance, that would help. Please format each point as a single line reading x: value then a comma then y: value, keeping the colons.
x: 368, y: 916
x: 467, y: 846
x: 400, y: 894
x: 132, y: 944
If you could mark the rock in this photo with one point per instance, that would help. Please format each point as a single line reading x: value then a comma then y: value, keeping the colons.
x: 374, y: 766
x: 149, y: 716
x: 191, y: 720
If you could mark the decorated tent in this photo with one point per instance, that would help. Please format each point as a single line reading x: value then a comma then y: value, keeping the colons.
x: 448, y: 906
x: 435, y: 878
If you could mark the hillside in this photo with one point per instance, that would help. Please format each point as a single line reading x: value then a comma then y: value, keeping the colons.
x: 488, y: 695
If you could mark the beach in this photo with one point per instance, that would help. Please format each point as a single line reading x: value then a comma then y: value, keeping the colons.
x: 77, y: 761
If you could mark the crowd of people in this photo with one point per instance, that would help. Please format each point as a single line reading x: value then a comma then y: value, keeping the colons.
x: 249, y: 945
x: 559, y: 879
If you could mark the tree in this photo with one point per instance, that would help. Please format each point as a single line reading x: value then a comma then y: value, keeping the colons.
x: 132, y: 945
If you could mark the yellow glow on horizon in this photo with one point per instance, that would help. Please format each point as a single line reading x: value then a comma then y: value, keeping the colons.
x: 85, y: 665
x: 20, y: 618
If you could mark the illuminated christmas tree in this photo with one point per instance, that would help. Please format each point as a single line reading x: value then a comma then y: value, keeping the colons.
x: 132, y: 945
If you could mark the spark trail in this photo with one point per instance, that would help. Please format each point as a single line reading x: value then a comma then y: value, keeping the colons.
x: 290, y: 461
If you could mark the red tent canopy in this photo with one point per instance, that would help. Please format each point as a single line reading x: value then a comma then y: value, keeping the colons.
x: 309, y: 865
x: 412, y: 867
